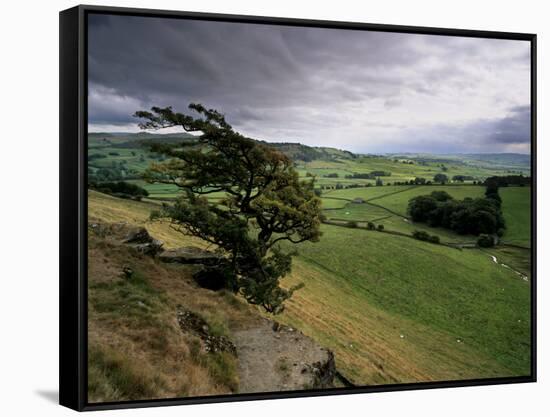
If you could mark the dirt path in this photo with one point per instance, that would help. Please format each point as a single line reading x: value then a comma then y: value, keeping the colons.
x: 280, y: 360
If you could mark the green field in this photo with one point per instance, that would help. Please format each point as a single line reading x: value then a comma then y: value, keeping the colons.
x: 401, y: 170
x: 398, y: 198
x: 463, y: 295
x: 516, y: 206
x: 388, y: 206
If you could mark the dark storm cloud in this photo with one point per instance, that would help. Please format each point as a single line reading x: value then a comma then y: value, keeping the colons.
x: 514, y: 128
x: 230, y: 65
x: 350, y: 89
x: 487, y: 135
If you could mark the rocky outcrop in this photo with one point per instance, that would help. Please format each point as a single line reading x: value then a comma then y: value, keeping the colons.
x: 190, y: 322
x: 136, y: 237
x: 209, y: 275
x: 189, y: 255
x: 274, y: 357
x: 143, y: 242
x: 271, y: 356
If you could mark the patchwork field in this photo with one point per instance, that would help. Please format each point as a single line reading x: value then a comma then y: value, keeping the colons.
x: 388, y: 206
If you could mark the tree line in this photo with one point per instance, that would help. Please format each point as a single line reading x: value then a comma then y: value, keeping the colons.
x: 472, y: 216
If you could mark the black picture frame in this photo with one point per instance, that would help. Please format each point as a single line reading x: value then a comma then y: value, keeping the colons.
x: 73, y: 205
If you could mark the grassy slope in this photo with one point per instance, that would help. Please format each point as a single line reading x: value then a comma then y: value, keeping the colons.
x: 359, y: 299
x: 136, y: 349
x: 516, y: 206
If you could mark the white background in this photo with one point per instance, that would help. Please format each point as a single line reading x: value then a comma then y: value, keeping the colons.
x: 29, y: 207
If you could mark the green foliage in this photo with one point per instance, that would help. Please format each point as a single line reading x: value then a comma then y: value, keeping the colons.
x: 462, y: 178
x: 352, y: 224
x: 380, y: 227
x: 441, y: 178
x: 469, y: 216
x: 371, y: 226
x: 485, y: 241
x: 441, y: 196
x: 506, y: 180
x: 425, y: 236
x: 120, y: 189
x: 264, y: 202
x: 380, y: 174
x: 96, y: 156
x: 491, y: 192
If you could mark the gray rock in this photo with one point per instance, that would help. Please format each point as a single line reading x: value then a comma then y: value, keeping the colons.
x: 151, y: 248
x: 138, y: 235
x: 190, y: 322
x: 190, y: 255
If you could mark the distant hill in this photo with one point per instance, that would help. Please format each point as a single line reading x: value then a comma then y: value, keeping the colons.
x: 133, y: 140
x: 502, y: 158
x: 489, y: 160
x: 295, y: 151
x: 300, y: 152
x: 304, y: 153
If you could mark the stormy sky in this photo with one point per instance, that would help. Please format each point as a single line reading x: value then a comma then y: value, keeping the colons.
x: 369, y: 92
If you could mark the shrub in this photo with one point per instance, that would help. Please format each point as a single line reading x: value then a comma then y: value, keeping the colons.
x: 371, y: 226
x: 96, y: 156
x: 441, y: 178
x: 121, y: 189
x: 426, y: 237
x: 380, y: 227
x: 352, y: 224
x: 420, y: 235
x: 485, y: 241
x: 434, y: 239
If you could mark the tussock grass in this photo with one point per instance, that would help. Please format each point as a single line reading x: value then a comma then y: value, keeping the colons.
x: 112, y: 375
x: 137, y: 349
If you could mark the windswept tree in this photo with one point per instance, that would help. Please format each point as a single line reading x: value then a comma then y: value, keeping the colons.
x: 265, y: 202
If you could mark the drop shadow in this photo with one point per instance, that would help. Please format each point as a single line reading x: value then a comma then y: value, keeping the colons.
x: 49, y: 395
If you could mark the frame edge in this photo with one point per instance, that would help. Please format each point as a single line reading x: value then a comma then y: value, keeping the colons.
x: 70, y: 317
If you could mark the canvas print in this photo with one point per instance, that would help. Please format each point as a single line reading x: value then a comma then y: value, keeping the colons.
x: 277, y: 208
